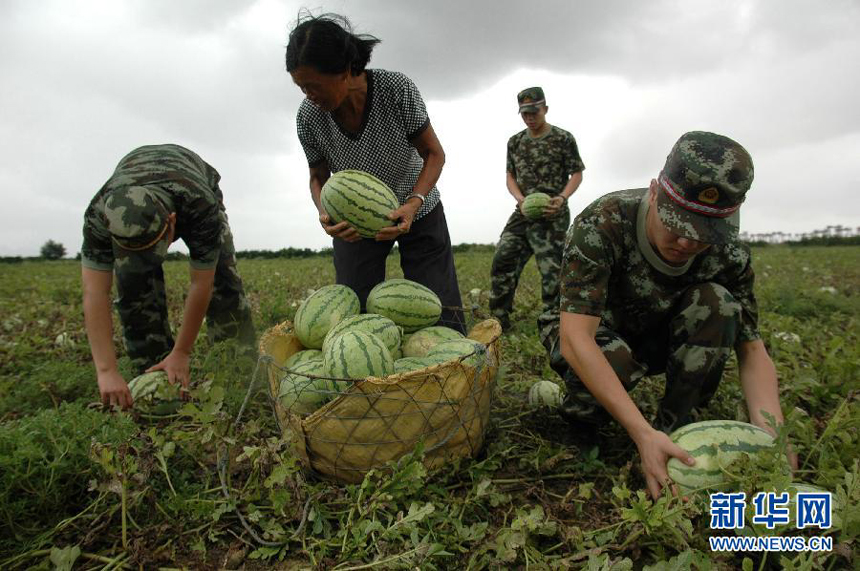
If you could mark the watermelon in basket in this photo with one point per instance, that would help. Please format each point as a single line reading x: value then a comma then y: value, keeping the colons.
x: 372, y: 420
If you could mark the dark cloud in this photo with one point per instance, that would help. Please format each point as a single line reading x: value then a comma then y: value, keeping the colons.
x: 456, y: 47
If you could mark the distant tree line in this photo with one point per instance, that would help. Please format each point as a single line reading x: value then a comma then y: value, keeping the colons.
x: 55, y: 251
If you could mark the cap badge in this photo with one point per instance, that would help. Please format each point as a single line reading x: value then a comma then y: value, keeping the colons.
x: 709, y: 196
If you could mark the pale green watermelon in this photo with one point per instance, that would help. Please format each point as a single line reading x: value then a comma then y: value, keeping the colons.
x: 154, y: 394
x: 420, y: 342
x: 301, y: 394
x: 714, y: 444
x: 371, y: 323
x: 407, y: 364
x: 534, y: 204
x: 321, y: 311
x: 302, y: 357
x: 467, y: 351
x: 356, y: 355
x: 408, y: 304
x: 545, y: 393
x: 359, y: 198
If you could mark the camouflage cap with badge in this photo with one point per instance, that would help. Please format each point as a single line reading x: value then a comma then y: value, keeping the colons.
x: 704, y: 182
x: 138, y: 223
x: 530, y: 100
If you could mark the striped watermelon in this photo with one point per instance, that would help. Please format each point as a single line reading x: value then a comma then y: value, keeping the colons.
x: 420, y: 342
x: 373, y: 323
x: 714, y: 444
x: 154, y: 394
x: 470, y: 352
x: 356, y: 355
x: 303, y: 357
x: 407, y: 364
x: 795, y: 488
x: 359, y: 198
x: 534, y: 204
x: 545, y: 393
x: 408, y: 304
x: 301, y: 394
x: 321, y: 311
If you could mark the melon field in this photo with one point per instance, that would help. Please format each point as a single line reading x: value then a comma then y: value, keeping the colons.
x: 84, y: 488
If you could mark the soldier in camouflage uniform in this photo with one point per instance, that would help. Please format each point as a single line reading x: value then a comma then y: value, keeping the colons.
x: 655, y: 280
x: 157, y: 194
x: 541, y: 158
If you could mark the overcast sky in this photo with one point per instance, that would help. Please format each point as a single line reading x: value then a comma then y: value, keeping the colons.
x: 84, y: 82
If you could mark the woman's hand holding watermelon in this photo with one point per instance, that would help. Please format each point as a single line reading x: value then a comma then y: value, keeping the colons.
x: 405, y: 215
x: 340, y: 230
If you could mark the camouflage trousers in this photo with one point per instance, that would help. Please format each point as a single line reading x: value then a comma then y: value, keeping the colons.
x: 142, y: 307
x: 519, y: 240
x: 691, y: 348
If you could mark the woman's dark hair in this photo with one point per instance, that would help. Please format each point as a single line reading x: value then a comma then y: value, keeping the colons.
x: 326, y: 43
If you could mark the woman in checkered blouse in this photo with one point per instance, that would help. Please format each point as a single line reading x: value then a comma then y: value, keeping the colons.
x: 375, y: 121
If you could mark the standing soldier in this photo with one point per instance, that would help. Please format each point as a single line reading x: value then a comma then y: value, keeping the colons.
x: 655, y: 280
x: 541, y: 158
x: 157, y: 194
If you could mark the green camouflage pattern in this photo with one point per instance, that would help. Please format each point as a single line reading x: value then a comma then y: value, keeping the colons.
x: 610, y: 270
x: 539, y: 165
x: 520, y: 239
x: 709, y: 176
x: 181, y: 182
x: 142, y: 306
x: 134, y: 216
x: 654, y: 317
x: 530, y: 95
x: 544, y: 164
x: 691, y: 348
x: 177, y: 179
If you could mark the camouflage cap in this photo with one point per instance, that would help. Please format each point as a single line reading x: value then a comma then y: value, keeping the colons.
x: 137, y: 222
x: 704, y: 182
x: 530, y: 100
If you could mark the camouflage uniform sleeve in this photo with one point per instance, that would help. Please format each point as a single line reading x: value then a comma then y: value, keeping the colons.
x: 742, y: 289
x: 203, y: 236
x: 511, y: 168
x: 572, y: 161
x: 96, y: 250
x: 586, y: 267
x: 305, y: 129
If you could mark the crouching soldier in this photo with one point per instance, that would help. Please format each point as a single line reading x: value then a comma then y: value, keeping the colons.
x: 655, y: 280
x: 156, y: 195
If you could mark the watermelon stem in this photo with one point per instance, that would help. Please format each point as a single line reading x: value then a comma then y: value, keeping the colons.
x: 826, y: 432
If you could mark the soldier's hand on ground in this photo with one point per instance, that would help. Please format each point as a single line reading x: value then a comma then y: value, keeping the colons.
x: 114, y: 390
x: 340, y: 230
x: 554, y: 206
x: 176, y: 367
x: 404, y: 216
x: 655, y: 449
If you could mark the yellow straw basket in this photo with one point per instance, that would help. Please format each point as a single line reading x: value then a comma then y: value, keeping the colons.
x: 447, y: 406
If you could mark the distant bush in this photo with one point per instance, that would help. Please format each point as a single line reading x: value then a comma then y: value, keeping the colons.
x: 53, y: 250
x: 828, y: 241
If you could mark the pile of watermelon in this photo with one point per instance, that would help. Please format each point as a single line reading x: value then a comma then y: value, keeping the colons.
x: 397, y: 335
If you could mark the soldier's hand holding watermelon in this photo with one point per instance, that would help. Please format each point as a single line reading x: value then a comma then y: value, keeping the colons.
x: 114, y: 390
x: 554, y: 206
x: 177, y: 369
x: 655, y: 449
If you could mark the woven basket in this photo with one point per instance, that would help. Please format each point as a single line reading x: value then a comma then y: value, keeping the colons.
x: 447, y: 406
